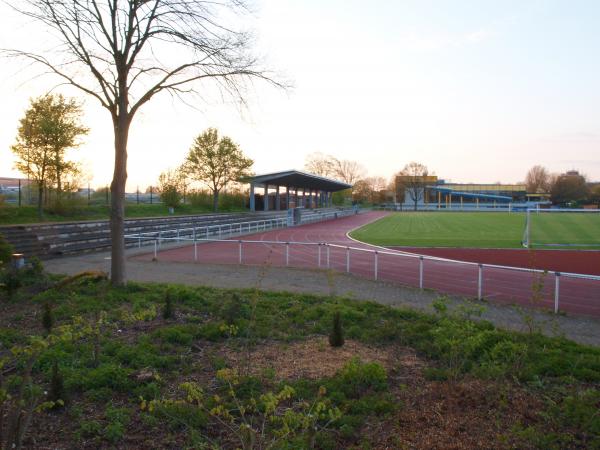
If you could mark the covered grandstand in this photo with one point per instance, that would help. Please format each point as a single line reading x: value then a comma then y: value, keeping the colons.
x: 301, y: 189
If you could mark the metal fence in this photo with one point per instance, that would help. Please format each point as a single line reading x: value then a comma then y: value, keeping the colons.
x: 569, y: 292
x: 218, y: 231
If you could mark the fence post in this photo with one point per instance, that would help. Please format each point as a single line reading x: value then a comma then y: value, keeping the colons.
x: 219, y: 231
x: 376, y: 264
x: 348, y: 259
x: 240, y: 252
x: 287, y: 254
x: 195, y: 251
x: 328, y: 255
x: 177, y: 234
x: 154, y: 248
x: 480, y: 282
x: 159, y: 238
x: 556, y: 291
x: 420, y: 272
x: 140, y: 240
x: 319, y: 257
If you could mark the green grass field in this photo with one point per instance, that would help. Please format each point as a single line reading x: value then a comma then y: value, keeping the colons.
x: 573, y: 229
x: 480, y: 230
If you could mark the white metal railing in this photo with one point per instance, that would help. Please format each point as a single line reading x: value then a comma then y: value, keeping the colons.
x: 454, y: 207
x: 367, y: 262
x: 207, y: 231
x: 233, y: 229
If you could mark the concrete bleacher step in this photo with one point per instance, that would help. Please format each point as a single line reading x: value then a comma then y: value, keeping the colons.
x: 55, y: 239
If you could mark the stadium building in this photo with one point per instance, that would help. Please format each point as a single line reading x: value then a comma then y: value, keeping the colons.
x: 430, y: 191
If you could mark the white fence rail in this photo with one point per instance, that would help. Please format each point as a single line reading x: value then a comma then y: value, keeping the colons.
x: 559, y: 291
x: 232, y: 229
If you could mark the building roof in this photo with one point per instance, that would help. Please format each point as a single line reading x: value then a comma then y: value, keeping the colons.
x: 298, y: 179
x: 481, y: 196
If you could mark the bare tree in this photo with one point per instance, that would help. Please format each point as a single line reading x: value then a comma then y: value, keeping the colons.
x: 347, y: 171
x: 124, y: 52
x: 537, y: 180
x: 413, y: 179
x: 319, y: 164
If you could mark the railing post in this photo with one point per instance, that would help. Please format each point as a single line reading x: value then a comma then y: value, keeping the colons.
x: 155, y: 248
x: 480, y: 283
x: 140, y: 240
x: 159, y: 238
x: 195, y: 251
x: 240, y: 259
x: 376, y: 264
x: 219, y: 231
x: 328, y: 255
x: 420, y: 272
x: 556, y: 291
x: 319, y: 257
x: 287, y: 254
x: 177, y: 234
x: 348, y: 259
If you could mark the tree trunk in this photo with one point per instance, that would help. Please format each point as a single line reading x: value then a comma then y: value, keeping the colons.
x: 215, y: 201
x: 117, y: 206
x: 40, y: 200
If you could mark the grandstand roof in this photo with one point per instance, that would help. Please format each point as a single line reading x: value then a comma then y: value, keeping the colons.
x: 299, y: 179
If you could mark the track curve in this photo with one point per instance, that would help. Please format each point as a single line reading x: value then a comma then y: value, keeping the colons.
x: 577, y: 296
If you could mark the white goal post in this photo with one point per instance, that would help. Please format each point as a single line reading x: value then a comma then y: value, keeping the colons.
x: 529, y: 238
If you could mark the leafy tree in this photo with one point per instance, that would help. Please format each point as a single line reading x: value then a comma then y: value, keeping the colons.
x: 369, y: 189
x: 216, y: 162
x: 595, y: 195
x: 49, y: 128
x: 125, y: 52
x: 570, y: 187
x: 170, y: 186
x: 413, y: 179
x: 537, y: 180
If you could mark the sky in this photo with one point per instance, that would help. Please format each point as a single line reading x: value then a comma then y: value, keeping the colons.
x: 479, y: 91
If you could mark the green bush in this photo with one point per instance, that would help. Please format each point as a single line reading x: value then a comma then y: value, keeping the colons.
x: 356, y: 378
x: 336, y: 337
x: 6, y: 251
x: 168, y: 307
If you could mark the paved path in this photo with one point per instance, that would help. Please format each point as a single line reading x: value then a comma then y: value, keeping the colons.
x: 576, y: 296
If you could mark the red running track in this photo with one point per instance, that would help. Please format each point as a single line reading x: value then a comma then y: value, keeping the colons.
x: 577, y: 295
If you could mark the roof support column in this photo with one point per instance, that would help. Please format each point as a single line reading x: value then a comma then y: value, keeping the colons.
x: 252, y: 199
x: 266, y: 198
x: 287, y: 197
x: 277, y: 199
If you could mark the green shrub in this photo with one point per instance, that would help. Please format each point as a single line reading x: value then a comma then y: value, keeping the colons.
x: 336, y: 337
x: 177, y: 334
x: 6, y: 251
x: 118, y: 419
x: 89, y: 429
x: 57, y: 392
x: 181, y: 415
x: 111, y: 376
x: 356, y: 378
x: 168, y: 307
x: 47, y: 317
